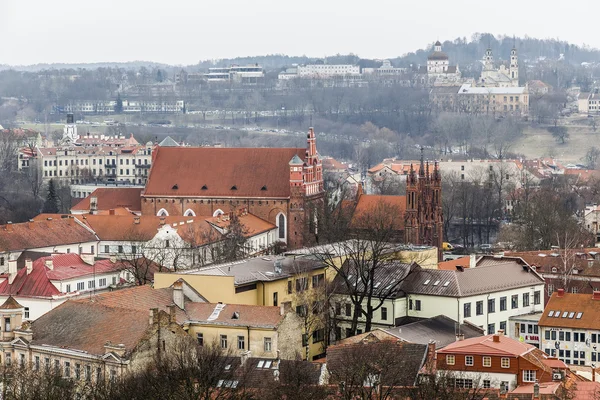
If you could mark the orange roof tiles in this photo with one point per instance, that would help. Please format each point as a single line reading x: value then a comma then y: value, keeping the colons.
x: 45, y: 233
x: 252, y: 224
x: 486, y: 345
x: 572, y: 304
x: 112, y: 198
x: 184, y: 171
x: 368, y: 206
x: 451, y: 265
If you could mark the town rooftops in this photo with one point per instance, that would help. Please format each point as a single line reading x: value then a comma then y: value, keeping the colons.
x: 472, y: 281
x: 38, y: 281
x: 111, y: 198
x: 258, y: 269
x: 572, y: 310
x: 389, y: 277
x: 233, y: 315
x: 215, y: 172
x: 441, y: 329
x: 41, y: 234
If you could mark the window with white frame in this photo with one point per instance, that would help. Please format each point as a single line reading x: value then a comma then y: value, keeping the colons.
x: 529, y: 375
x: 450, y: 359
x: 487, y: 361
x: 102, y: 282
x: 505, y: 362
x: 80, y: 285
x: 469, y: 360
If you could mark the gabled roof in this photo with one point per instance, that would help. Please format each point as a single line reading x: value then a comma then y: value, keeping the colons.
x: 472, y: 281
x: 234, y: 315
x: 370, y: 205
x: 168, y: 142
x: 486, y: 345
x: 570, y: 305
x: 389, y: 278
x: 441, y: 329
x: 39, y: 284
x: 184, y: 171
x: 39, y: 234
x: 113, y: 198
x: 10, y: 304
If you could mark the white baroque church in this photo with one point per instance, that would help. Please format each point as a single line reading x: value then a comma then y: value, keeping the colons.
x: 500, y: 77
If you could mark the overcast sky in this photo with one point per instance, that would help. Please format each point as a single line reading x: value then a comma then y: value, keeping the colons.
x: 186, y: 31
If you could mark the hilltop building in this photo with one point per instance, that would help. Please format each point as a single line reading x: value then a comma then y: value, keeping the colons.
x: 438, y: 71
x: 502, y: 76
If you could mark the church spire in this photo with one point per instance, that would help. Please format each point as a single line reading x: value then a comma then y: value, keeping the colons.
x: 422, y: 166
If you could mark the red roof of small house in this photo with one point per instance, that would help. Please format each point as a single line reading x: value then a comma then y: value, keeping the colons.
x: 451, y: 265
x: 230, y: 172
x: 486, y: 345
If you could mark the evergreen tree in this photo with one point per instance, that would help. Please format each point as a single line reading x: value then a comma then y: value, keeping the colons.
x: 51, y: 203
x: 119, y: 105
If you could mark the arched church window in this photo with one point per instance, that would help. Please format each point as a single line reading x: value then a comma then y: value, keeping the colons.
x: 162, y: 213
x: 218, y: 212
x: 189, y: 213
x: 281, y: 226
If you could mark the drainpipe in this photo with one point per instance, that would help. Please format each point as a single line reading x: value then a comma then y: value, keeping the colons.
x: 487, y: 314
x: 248, y: 330
x: 458, y: 310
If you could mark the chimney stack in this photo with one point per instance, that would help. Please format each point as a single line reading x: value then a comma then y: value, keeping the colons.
x: 93, y: 204
x: 153, y: 316
x: 500, y: 332
x: 8, y: 226
x: 178, y: 298
x: 460, y: 337
x: 560, y: 293
x: 496, y: 338
x: 136, y: 219
x: 28, y: 265
x: 596, y: 295
x: 12, y: 271
x: 49, y: 264
x: 113, y: 258
x: 87, y: 258
x: 111, y: 211
x: 172, y: 314
x: 30, y: 224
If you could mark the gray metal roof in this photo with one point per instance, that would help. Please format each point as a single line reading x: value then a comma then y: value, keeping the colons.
x: 509, y: 274
x: 441, y: 329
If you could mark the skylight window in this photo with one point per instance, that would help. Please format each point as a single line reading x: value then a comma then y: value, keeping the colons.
x: 579, y: 314
x: 436, y: 283
x: 571, y: 314
x: 427, y: 282
x: 446, y: 283
x: 557, y: 314
x: 377, y: 285
x: 565, y: 314
x: 268, y: 364
x: 260, y: 364
x: 550, y: 313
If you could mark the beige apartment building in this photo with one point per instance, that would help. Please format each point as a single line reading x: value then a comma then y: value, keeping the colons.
x: 493, y: 100
x: 90, y: 164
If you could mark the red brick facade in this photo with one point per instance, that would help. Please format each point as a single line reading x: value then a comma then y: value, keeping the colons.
x: 291, y: 202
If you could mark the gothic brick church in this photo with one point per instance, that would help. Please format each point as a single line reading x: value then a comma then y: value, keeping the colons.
x: 419, y: 219
x: 281, y: 185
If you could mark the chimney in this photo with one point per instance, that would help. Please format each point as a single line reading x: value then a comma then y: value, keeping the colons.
x: 28, y: 265
x: 111, y: 212
x: 596, y: 295
x: 500, y: 332
x: 30, y: 224
x: 560, y: 293
x: 472, y: 260
x: 8, y: 226
x: 93, y: 204
x: 460, y: 337
x: 496, y: 338
x: 162, y: 220
x: 285, y: 307
x: 172, y: 313
x: 113, y: 258
x: 536, y: 390
x: 245, y: 356
x: 12, y: 271
x: 49, y: 264
x: 178, y: 298
x: 136, y: 219
x: 87, y: 258
x: 430, y: 353
x: 153, y: 316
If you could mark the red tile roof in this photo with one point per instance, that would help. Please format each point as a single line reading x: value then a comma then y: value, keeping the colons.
x: 65, y: 266
x: 451, y: 265
x: 252, y: 224
x: 183, y: 171
x: 370, y: 206
x: 44, y: 233
x: 486, y: 345
x: 246, y: 315
x: 112, y: 198
x: 572, y: 303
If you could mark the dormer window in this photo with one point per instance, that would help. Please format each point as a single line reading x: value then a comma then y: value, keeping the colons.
x: 175, y: 187
x: 234, y: 187
x: 263, y: 188
x: 204, y: 187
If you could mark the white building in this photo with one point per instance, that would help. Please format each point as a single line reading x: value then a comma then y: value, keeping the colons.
x: 51, y: 235
x: 324, y: 71
x: 244, y: 75
x: 486, y: 296
x: 503, y: 76
x: 570, y: 328
x: 47, y: 282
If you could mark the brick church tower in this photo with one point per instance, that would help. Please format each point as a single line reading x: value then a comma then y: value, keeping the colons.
x: 306, y: 195
x: 423, y: 219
